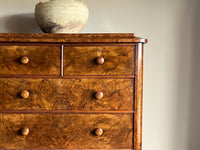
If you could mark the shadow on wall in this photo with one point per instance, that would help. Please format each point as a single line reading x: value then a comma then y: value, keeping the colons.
x: 187, y: 131
x: 194, y: 102
x: 22, y: 23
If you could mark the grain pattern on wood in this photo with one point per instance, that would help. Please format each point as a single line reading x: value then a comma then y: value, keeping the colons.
x: 73, y: 131
x: 118, y: 60
x: 69, y: 94
x: 43, y: 60
x: 92, y: 100
x: 138, y: 98
x: 69, y: 38
x: 65, y: 112
x: 70, y: 77
x: 74, y: 149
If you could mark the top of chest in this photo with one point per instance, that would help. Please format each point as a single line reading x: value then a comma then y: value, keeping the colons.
x: 70, y: 38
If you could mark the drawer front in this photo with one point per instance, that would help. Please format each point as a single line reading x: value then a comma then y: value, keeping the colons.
x: 72, y: 131
x: 69, y: 94
x: 107, y: 60
x: 42, y: 60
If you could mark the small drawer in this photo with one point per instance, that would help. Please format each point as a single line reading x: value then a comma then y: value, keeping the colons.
x: 68, y: 94
x: 106, y: 60
x: 29, y: 60
x: 66, y: 131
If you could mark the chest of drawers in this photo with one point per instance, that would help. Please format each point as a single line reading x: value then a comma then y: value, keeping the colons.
x: 71, y: 91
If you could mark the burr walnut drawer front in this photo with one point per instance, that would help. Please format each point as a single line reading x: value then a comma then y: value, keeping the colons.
x: 71, y: 131
x: 29, y: 60
x: 68, y: 94
x: 105, y: 60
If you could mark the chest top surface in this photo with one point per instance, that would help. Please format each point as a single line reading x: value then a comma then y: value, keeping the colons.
x: 71, y: 38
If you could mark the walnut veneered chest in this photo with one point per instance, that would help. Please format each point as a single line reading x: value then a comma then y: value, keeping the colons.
x: 71, y: 91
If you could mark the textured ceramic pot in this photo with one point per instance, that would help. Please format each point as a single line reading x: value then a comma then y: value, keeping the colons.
x: 61, y: 16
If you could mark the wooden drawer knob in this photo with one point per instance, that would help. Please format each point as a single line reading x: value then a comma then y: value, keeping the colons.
x: 25, y: 131
x: 24, y: 60
x: 99, y: 95
x: 100, y: 60
x: 25, y: 94
x: 98, y: 132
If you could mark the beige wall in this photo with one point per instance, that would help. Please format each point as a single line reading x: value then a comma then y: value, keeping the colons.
x: 171, y: 75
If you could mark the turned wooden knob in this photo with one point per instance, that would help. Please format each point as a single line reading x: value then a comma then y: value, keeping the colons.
x: 25, y: 131
x: 100, y: 60
x: 98, y: 131
x: 24, y: 60
x: 25, y: 94
x: 99, y: 95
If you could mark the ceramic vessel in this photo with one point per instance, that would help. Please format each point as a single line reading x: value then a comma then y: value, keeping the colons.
x: 61, y: 16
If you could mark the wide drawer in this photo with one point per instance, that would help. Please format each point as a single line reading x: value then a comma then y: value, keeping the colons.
x: 29, y: 60
x: 105, y: 60
x: 72, y: 131
x: 68, y: 94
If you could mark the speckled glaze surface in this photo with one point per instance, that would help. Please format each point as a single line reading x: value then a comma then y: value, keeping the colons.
x: 61, y: 16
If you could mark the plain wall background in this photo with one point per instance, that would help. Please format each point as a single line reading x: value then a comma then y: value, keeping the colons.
x: 171, y: 64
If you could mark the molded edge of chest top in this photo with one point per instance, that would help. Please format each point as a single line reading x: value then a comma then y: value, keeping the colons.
x: 71, y: 38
